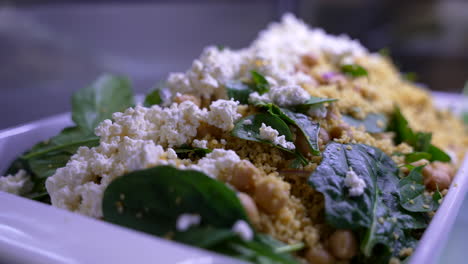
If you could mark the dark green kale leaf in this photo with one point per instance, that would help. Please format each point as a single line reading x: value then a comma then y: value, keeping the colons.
x: 152, y: 200
x: 373, y: 123
x: 354, y: 70
x: 420, y: 141
x: 376, y: 214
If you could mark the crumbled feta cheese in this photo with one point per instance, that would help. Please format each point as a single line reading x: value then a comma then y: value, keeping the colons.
x: 19, y: 183
x: 287, y: 95
x: 223, y: 114
x: 243, y: 230
x: 355, y: 184
x: 200, y: 143
x: 247, y: 122
x: 272, y: 135
x: 217, y: 162
x: 223, y: 141
x: 185, y: 221
x: 79, y: 186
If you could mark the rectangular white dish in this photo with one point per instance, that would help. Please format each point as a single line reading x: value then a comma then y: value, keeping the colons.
x: 31, y: 232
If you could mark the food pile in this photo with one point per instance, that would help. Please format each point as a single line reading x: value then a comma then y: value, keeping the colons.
x: 301, y: 148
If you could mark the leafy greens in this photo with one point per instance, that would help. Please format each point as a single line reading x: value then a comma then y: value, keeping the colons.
x: 420, y: 141
x: 376, y: 214
x: 373, y: 123
x: 151, y: 201
x: 90, y: 106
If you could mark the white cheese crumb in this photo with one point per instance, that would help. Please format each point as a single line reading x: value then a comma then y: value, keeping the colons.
x: 223, y: 141
x: 272, y: 135
x: 247, y: 122
x: 200, y: 143
x: 223, y: 114
x: 185, y: 221
x: 243, y: 230
x: 355, y: 184
x: 18, y: 184
x: 217, y: 162
x: 287, y: 95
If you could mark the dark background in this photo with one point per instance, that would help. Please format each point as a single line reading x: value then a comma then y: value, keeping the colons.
x: 48, y: 49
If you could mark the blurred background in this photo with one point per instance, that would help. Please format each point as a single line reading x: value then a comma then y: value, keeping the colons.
x: 48, y: 49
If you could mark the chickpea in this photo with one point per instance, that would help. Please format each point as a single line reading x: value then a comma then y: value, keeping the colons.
x: 250, y: 207
x: 179, y: 98
x: 309, y: 60
x: 343, y: 244
x: 324, y: 137
x: 270, y: 196
x: 438, y: 175
x: 206, y: 129
x: 318, y: 255
x: 243, y: 176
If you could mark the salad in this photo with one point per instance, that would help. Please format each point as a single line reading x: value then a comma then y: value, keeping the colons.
x: 301, y: 148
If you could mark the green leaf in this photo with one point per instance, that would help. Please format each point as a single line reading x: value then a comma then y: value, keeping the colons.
x: 412, y: 193
x: 259, y: 83
x: 186, y: 151
x: 250, y: 130
x: 153, y: 98
x: 312, y: 102
x: 238, y: 91
x: 93, y: 104
x: 465, y: 118
x: 373, y: 123
x: 307, y: 127
x: 162, y: 193
x: 354, y: 70
x: 410, y: 76
x: 151, y: 201
x: 376, y: 214
x: 415, y: 156
x: 420, y: 141
x: 438, y: 154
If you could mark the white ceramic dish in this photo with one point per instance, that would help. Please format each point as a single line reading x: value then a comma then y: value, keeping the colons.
x: 31, y: 232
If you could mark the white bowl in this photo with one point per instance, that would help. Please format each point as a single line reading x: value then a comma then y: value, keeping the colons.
x: 31, y: 232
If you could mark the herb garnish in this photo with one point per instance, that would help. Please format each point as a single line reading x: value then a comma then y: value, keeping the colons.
x: 354, y: 70
x: 376, y: 215
x: 238, y: 91
x: 90, y: 106
x: 312, y: 102
x: 420, y: 141
x: 151, y: 200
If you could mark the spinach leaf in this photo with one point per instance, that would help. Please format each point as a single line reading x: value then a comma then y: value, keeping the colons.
x: 415, y: 156
x: 90, y: 106
x: 308, y: 128
x: 354, y: 70
x: 185, y: 151
x: 312, y: 102
x: 420, y: 141
x: 153, y: 98
x: 412, y: 193
x: 151, y: 201
x: 373, y: 123
x: 376, y: 214
x: 238, y: 91
x: 259, y: 83
x: 465, y: 118
x: 248, y: 128
x: 107, y: 95
x: 410, y: 76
